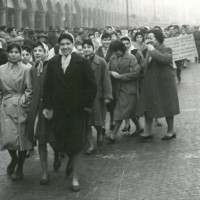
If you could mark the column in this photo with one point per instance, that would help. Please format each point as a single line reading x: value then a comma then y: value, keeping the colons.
x: 71, y: 25
x: 31, y: 16
x: 61, y: 21
x: 2, y: 17
x: 42, y: 20
x: 18, y: 18
x: 53, y: 19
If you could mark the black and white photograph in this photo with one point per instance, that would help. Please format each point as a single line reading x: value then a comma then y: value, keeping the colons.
x: 99, y: 99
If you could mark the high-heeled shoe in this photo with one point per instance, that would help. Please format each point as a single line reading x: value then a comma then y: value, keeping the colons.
x: 44, y: 181
x: 126, y: 129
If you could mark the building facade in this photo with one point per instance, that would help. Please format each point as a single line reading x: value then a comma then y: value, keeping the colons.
x: 40, y: 14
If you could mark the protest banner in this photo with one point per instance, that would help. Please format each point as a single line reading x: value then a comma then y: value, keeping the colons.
x: 183, y: 47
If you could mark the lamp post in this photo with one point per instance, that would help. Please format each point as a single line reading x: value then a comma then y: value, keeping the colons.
x: 154, y: 6
x: 127, y: 12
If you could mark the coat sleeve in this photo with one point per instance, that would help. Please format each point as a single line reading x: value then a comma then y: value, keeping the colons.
x: 134, y: 71
x: 27, y: 96
x: 90, y: 84
x: 106, y: 81
x: 48, y: 87
x: 162, y: 57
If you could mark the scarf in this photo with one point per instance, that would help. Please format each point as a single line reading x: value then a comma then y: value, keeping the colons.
x: 40, y: 63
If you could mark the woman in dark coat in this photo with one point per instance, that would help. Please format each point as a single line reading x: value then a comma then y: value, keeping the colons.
x: 125, y: 71
x: 159, y: 96
x: 69, y: 92
x: 103, y: 96
x: 38, y: 127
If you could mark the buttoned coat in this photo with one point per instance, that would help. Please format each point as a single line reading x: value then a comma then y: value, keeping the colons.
x: 159, y: 96
x: 104, y: 91
x: 67, y: 94
x: 125, y: 90
x: 15, y: 98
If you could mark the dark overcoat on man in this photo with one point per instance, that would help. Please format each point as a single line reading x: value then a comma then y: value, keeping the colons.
x: 67, y: 94
x: 159, y: 96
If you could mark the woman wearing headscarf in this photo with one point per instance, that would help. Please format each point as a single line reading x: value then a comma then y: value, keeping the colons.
x: 69, y: 92
x: 15, y: 98
x: 39, y: 129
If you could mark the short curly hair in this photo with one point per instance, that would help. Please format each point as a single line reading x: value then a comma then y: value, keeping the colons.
x: 118, y: 45
x: 158, y: 35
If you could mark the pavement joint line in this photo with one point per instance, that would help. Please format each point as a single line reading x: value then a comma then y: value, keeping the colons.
x: 120, y: 186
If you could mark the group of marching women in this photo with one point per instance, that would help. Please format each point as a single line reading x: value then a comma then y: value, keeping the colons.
x: 58, y: 100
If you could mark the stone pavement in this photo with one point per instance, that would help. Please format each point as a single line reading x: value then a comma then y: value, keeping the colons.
x: 127, y: 170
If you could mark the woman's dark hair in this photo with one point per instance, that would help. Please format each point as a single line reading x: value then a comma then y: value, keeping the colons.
x: 88, y: 42
x: 13, y: 45
x: 26, y: 48
x: 118, y: 45
x: 10, y: 29
x: 105, y: 35
x: 65, y: 36
x: 78, y: 43
x: 38, y: 44
x: 139, y: 33
x: 125, y: 38
x: 114, y: 33
x: 158, y: 35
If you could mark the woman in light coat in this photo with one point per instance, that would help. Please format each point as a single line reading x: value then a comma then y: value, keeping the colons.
x: 15, y: 99
x: 124, y: 70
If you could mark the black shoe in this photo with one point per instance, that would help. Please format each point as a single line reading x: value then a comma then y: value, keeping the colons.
x: 167, y: 137
x: 57, y: 164
x: 145, y: 138
x: 112, y: 126
x: 111, y: 140
x: 18, y: 175
x: 90, y: 151
x: 11, y: 168
x: 75, y: 188
x: 100, y: 139
x: 126, y: 129
x: 137, y: 132
x: 69, y: 169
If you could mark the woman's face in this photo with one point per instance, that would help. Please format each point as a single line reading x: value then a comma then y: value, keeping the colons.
x: 66, y: 47
x: 139, y: 39
x: 38, y: 53
x: 113, y: 37
x: 119, y: 53
x: 14, y: 55
x: 26, y: 57
x: 88, y: 50
x: 106, y: 42
x: 79, y: 49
